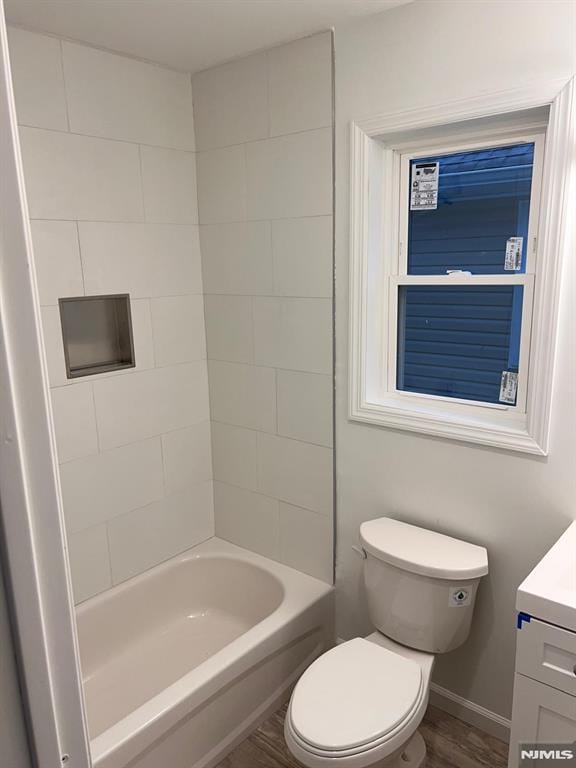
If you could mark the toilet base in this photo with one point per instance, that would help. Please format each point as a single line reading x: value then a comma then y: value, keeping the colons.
x: 412, y: 756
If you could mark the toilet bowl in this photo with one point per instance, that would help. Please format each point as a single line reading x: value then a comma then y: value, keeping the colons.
x: 359, y: 705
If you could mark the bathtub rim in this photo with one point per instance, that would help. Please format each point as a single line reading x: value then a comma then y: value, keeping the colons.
x: 148, y: 722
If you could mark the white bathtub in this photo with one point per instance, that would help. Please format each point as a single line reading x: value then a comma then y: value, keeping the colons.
x: 182, y: 662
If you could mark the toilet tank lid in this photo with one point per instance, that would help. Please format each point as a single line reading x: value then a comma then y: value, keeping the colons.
x: 421, y: 551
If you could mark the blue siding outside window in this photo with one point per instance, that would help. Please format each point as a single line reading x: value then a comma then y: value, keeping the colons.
x: 483, y: 200
x: 457, y: 340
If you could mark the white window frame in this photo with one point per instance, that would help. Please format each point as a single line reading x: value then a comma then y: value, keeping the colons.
x: 379, y: 147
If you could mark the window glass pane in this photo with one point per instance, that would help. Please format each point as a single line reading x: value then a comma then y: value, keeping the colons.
x: 460, y: 341
x: 468, y: 210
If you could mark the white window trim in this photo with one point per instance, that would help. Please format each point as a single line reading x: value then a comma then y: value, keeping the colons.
x: 518, y: 429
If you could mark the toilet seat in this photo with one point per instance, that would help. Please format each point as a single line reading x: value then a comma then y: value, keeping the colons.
x: 354, y: 699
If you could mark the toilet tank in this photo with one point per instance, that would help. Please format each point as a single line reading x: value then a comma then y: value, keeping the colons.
x: 420, y: 585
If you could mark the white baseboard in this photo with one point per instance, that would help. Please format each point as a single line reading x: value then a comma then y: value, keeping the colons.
x: 470, y: 712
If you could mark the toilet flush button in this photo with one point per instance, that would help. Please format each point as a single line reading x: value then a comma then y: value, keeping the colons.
x: 459, y: 597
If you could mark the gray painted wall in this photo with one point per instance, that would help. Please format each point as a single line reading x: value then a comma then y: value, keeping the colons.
x: 517, y: 506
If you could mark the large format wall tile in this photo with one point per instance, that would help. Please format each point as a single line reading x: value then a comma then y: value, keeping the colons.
x: 231, y: 103
x: 120, y: 98
x: 306, y: 541
x: 145, y: 537
x: 169, y: 184
x: 265, y: 199
x: 77, y: 177
x: 289, y: 176
x: 234, y: 455
x: 74, y: 421
x: 187, y: 456
x: 229, y: 328
x: 237, y: 258
x: 38, y: 80
x: 244, y: 395
x: 57, y: 260
x: 302, y: 256
x: 89, y: 562
x: 111, y: 180
x: 296, y: 472
x: 300, y: 82
x: 293, y: 333
x: 140, y: 405
x: 247, y: 519
x: 178, y: 325
x: 99, y: 487
x: 140, y: 259
x: 305, y: 406
x: 221, y: 185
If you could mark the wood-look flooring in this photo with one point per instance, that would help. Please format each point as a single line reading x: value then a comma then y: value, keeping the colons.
x: 450, y: 743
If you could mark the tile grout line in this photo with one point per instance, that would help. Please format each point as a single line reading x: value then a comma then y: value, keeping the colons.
x: 63, y: 73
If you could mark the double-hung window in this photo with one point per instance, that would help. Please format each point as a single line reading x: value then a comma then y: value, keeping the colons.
x: 460, y: 296
x: 459, y: 221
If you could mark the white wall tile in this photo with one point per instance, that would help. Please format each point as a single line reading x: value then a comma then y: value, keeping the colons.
x: 305, y: 406
x: 187, y: 456
x: 178, y: 324
x: 142, y: 334
x: 74, y: 421
x: 221, y: 185
x: 229, y: 328
x: 53, y: 346
x: 121, y: 98
x: 237, y: 258
x: 306, y: 541
x: 293, y: 333
x: 89, y: 562
x: 36, y: 64
x: 140, y: 405
x: 231, y: 102
x: 140, y: 259
x: 244, y: 395
x: 247, y: 519
x: 295, y: 472
x: 148, y: 536
x: 234, y: 455
x: 290, y: 176
x: 300, y: 78
x: 302, y: 256
x: 99, y: 487
x: 169, y: 184
x: 78, y: 177
x: 57, y: 260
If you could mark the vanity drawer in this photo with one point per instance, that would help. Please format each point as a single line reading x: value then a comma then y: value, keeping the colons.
x: 547, y: 653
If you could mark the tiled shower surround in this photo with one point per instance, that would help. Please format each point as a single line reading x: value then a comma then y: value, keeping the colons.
x: 264, y: 144
x: 110, y: 163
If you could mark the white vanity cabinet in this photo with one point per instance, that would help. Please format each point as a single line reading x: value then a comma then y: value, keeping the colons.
x: 544, y: 709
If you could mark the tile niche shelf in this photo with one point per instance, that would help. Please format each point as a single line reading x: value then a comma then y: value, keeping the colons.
x: 97, y: 334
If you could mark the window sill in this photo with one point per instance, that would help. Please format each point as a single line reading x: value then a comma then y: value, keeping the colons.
x: 510, y: 434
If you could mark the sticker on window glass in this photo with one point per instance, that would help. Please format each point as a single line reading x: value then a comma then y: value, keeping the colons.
x: 424, y: 186
x: 513, y: 259
x: 508, y: 387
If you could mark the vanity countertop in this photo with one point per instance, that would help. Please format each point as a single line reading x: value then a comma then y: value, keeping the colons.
x: 549, y: 591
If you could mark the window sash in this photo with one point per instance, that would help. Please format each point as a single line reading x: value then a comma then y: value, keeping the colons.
x: 403, y: 178
x: 388, y: 384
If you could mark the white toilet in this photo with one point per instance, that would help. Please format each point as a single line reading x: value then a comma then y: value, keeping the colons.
x: 359, y: 705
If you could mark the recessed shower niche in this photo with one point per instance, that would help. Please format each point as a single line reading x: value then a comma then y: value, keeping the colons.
x: 97, y: 334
